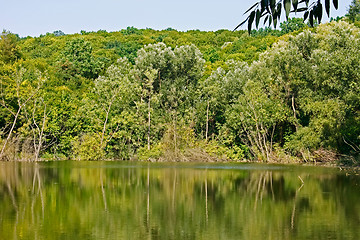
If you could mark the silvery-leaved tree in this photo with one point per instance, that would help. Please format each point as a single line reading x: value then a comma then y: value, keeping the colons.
x: 178, y: 71
x: 169, y: 77
x: 271, y: 10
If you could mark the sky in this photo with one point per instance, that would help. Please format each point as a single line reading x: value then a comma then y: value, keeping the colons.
x: 36, y: 17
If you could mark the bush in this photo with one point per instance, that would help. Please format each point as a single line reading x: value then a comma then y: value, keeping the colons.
x: 87, y: 147
x: 154, y: 154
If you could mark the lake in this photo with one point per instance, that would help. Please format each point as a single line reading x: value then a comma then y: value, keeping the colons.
x: 129, y: 200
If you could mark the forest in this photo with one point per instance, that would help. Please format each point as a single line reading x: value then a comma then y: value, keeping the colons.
x: 288, y: 95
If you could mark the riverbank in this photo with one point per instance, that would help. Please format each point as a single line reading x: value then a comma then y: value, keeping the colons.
x: 200, y: 156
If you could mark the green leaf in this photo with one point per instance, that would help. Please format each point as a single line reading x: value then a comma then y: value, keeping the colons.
x: 336, y: 4
x: 251, y: 20
x: 263, y: 4
x: 277, y: 13
x: 287, y: 7
x: 306, y: 14
x: 295, y: 4
x: 272, y: 4
x: 258, y: 16
x: 275, y: 22
x: 242, y: 23
x: 251, y: 8
x: 327, y: 7
x: 302, y: 9
x: 304, y: 1
x: 319, y: 12
x: 311, y: 19
x: 278, y: 10
x: 266, y: 18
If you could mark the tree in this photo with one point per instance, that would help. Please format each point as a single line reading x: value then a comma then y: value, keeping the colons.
x: 271, y: 11
x: 113, y: 90
x: 291, y: 25
x: 9, y: 50
x: 148, y: 95
x: 125, y: 49
x: 255, y: 117
x: 37, y: 120
x: 77, y: 60
x: 58, y: 33
x: 177, y: 74
x: 302, y: 95
x: 18, y: 87
x: 354, y: 11
x: 220, y: 90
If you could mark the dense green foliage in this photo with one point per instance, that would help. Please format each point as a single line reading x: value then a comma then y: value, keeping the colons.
x: 354, y: 12
x: 173, y: 95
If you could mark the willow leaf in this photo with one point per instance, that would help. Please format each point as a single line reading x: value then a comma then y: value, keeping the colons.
x: 327, y: 7
x: 336, y: 4
x: 287, y: 6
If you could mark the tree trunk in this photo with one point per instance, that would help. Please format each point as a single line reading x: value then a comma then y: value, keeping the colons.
x: 207, y: 122
x: 21, y: 105
x: 175, y: 143
x: 10, y: 132
x: 149, y: 123
x: 38, y: 147
x: 105, y: 122
x: 294, y: 111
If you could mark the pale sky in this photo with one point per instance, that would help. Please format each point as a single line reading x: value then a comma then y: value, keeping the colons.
x: 35, y: 17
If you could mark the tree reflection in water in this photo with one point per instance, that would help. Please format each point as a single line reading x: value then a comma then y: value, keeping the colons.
x: 110, y: 200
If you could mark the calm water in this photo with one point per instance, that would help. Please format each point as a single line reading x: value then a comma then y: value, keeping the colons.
x: 117, y: 200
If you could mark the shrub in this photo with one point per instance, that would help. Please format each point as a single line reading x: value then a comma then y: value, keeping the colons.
x: 87, y: 147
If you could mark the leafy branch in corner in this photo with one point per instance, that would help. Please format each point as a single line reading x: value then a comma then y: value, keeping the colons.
x: 271, y: 10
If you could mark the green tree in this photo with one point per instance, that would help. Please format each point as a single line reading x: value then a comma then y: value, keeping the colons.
x: 302, y: 94
x: 148, y: 94
x: 112, y: 93
x: 58, y: 33
x: 9, y: 49
x: 77, y: 60
x: 36, y: 115
x: 125, y: 49
x: 256, y: 115
x: 178, y: 72
x: 354, y: 11
x: 18, y: 86
x: 291, y: 25
x: 315, y: 75
x: 220, y: 90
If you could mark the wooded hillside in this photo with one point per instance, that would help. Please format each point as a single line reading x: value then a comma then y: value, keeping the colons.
x: 275, y: 95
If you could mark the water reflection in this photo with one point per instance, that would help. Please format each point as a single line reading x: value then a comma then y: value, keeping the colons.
x: 107, y: 200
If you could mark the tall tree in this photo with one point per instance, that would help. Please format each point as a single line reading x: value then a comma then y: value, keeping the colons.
x: 113, y: 91
x: 148, y: 94
x: 354, y: 11
x: 18, y: 87
x: 77, y: 60
x: 9, y: 50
